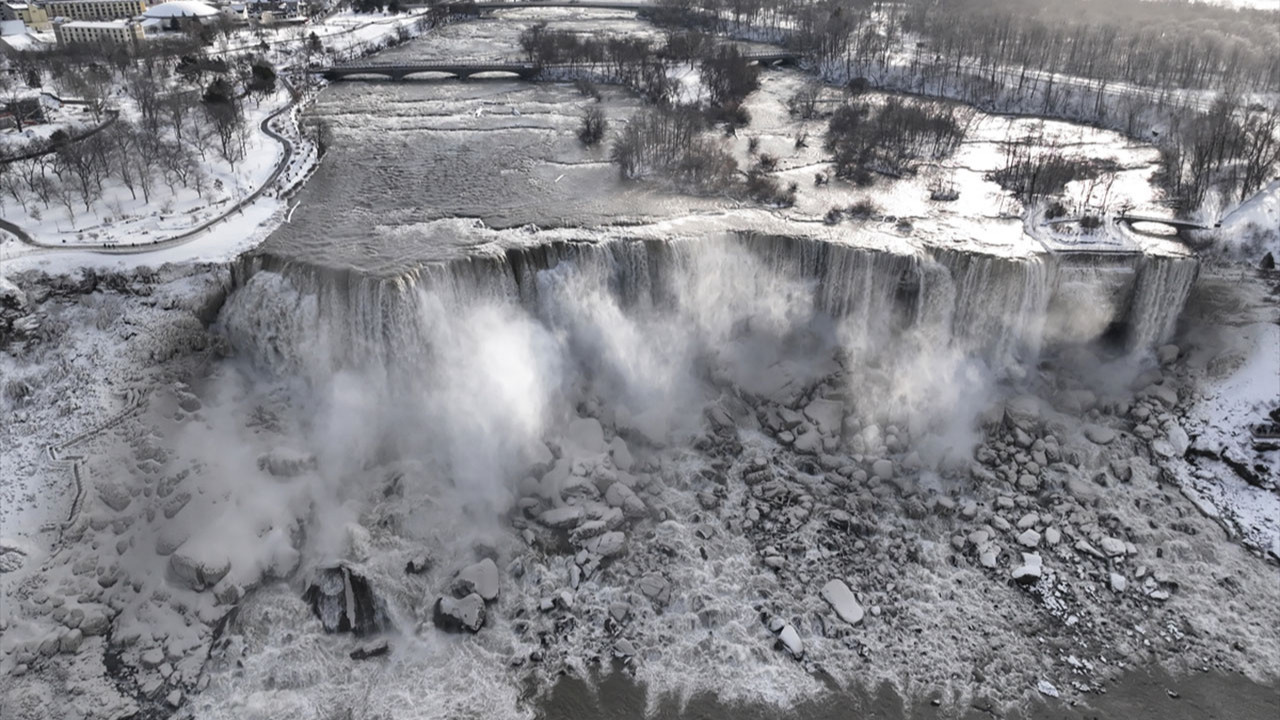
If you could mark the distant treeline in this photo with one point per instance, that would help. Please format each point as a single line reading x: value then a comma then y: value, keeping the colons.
x: 1137, y: 66
x: 1166, y: 45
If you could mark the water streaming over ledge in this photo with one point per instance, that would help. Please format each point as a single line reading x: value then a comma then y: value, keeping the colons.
x: 1000, y: 309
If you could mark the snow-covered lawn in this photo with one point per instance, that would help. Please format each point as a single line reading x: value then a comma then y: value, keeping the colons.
x: 120, y: 218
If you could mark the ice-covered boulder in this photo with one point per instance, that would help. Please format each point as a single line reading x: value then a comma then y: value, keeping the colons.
x: 459, y: 614
x: 607, y: 544
x: 480, y: 578
x: 621, y: 454
x: 344, y: 601
x: 624, y: 498
x: 562, y: 517
x: 656, y: 587
x: 1028, y: 573
x: 828, y: 415
x: 199, y: 565
x: 841, y: 599
x: 114, y: 495
x: 586, y: 436
x: 791, y: 641
x: 882, y: 469
x: 1099, y: 434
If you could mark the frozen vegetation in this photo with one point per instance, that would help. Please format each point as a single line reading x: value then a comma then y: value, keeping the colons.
x: 480, y: 411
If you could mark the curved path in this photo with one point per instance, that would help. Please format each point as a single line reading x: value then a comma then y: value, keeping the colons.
x: 189, y: 235
x: 112, y: 117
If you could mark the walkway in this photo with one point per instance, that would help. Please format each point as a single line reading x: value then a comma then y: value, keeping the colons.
x: 189, y: 235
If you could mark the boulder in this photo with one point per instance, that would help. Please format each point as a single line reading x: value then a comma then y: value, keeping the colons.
x: 624, y: 498
x: 809, y: 442
x: 199, y: 565
x: 619, y: 611
x: 1165, y: 395
x: 841, y: 599
x: 1028, y: 573
x: 1023, y: 411
x: 882, y: 469
x: 791, y: 641
x: 1112, y: 547
x: 114, y: 495
x: 607, y: 544
x: 586, y: 435
x: 480, y: 579
x: 621, y: 454
x: 1029, y: 538
x: 1099, y: 434
x: 656, y: 587
x: 828, y: 415
x: 344, y: 601
x: 1077, y: 402
x: 459, y: 614
x: 564, y: 517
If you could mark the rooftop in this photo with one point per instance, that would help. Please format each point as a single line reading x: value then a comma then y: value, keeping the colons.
x: 180, y: 8
x: 96, y: 24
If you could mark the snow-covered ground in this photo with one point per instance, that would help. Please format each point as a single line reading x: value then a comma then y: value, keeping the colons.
x: 672, y: 488
x: 118, y: 219
x: 1253, y: 228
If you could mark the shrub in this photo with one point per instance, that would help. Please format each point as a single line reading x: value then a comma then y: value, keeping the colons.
x: 864, y: 209
x: 592, y: 128
x: 587, y: 88
x: 764, y: 188
x: 893, y: 136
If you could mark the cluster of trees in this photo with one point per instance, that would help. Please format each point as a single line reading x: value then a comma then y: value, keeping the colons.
x: 639, y: 63
x: 1165, y: 45
x: 182, y: 124
x: 377, y: 6
x: 893, y: 136
x: 631, y: 61
x: 671, y: 143
x: 1229, y: 147
x: 1126, y: 64
x: 1034, y: 172
x: 76, y: 174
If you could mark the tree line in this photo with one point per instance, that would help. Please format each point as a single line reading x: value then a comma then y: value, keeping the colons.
x: 182, y: 124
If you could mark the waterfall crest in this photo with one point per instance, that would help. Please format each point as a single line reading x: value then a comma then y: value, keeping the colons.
x: 296, y: 318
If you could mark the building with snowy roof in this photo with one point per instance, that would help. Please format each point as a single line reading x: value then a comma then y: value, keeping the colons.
x: 98, y: 31
x: 95, y: 9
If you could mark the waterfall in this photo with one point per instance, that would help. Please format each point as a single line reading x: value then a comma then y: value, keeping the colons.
x: 297, y: 318
x: 999, y: 304
x: 1159, y: 293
